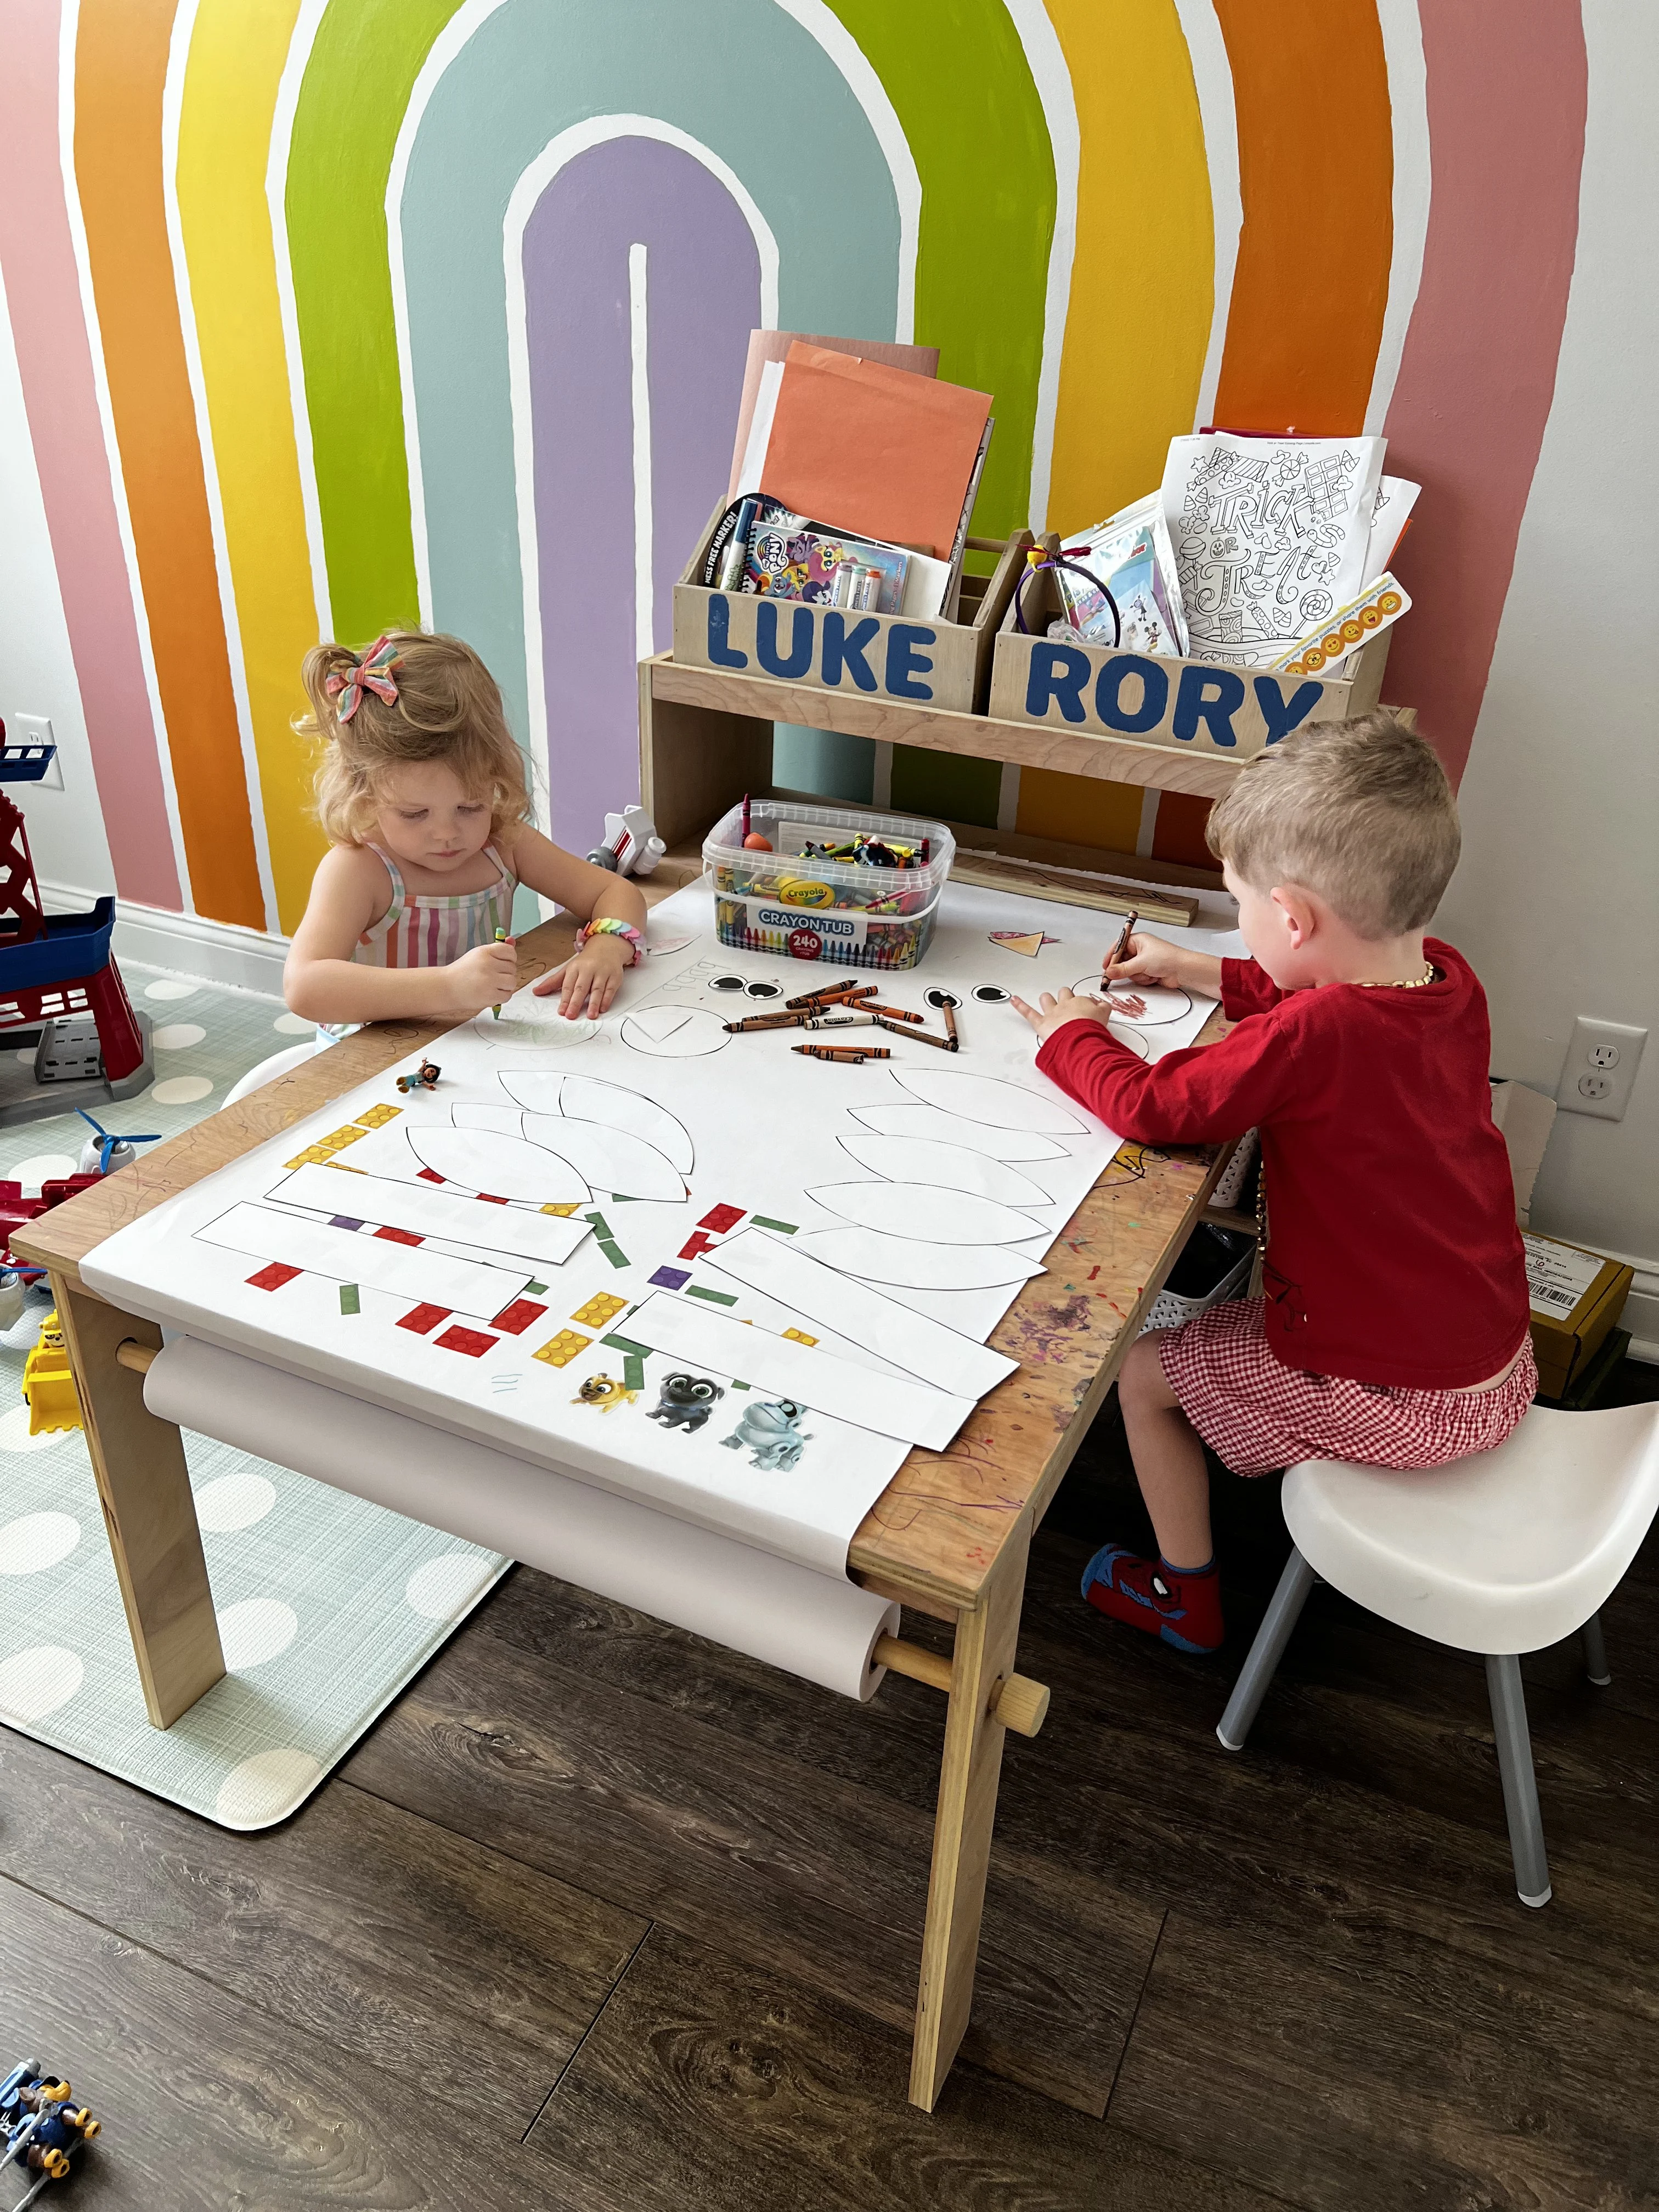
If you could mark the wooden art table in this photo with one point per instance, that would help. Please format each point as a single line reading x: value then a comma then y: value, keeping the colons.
x: 948, y: 1537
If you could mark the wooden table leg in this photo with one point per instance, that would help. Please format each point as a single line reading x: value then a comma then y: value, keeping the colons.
x: 962, y: 1828
x: 144, y: 1486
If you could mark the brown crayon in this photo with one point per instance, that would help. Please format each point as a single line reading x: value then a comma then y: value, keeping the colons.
x: 950, y: 1024
x: 830, y: 992
x: 895, y: 1013
x: 765, y: 1022
x: 853, y: 1055
x: 921, y: 1037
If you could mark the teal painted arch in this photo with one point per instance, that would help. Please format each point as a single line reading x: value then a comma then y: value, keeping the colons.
x: 741, y: 77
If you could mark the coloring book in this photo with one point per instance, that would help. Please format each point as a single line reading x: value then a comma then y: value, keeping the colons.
x: 1271, y: 535
x: 685, y: 1264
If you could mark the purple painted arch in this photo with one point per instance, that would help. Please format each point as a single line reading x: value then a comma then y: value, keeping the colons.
x: 701, y: 299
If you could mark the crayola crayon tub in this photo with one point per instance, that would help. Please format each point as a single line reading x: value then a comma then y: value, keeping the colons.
x: 859, y: 890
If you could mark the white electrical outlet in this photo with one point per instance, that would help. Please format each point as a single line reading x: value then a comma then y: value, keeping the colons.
x: 36, y: 730
x: 1600, y: 1068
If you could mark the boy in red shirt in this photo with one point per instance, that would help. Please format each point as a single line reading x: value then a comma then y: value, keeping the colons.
x: 1393, y: 1324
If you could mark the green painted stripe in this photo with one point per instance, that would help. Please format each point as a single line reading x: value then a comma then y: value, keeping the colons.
x: 601, y: 1227
x: 964, y: 96
x: 784, y: 1228
x: 613, y: 1251
x: 362, y: 67
x: 714, y: 1298
x: 350, y: 1303
x: 633, y: 1370
x: 626, y: 1346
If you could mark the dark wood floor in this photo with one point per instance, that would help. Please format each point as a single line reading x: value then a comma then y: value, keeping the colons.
x: 602, y: 1917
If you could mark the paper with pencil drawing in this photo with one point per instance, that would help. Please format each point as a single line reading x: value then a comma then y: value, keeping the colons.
x: 599, y: 1246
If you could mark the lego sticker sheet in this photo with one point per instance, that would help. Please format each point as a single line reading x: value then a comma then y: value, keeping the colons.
x: 682, y: 1259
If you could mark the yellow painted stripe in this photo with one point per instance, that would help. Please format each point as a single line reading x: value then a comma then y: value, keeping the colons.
x: 236, y: 59
x: 1143, y: 281
x: 1144, y: 273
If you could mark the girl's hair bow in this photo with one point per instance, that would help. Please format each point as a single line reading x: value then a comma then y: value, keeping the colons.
x: 372, y: 673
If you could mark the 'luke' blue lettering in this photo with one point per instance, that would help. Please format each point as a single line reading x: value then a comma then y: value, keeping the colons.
x: 905, y: 665
x: 1282, y: 715
x: 721, y: 653
x: 1108, y: 694
x: 845, y: 648
x: 1057, y: 672
x: 799, y: 662
x: 1208, y: 694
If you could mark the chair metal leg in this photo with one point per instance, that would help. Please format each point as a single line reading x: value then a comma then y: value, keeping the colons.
x: 1595, y: 1652
x: 1509, y: 1720
x: 1265, y: 1653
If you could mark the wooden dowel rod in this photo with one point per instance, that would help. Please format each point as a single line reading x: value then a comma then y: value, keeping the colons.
x: 914, y: 1659
x: 1019, y: 1702
x: 138, y: 1357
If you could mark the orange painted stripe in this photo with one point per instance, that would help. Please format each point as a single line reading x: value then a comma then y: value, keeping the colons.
x: 1316, y: 172
x: 121, y: 59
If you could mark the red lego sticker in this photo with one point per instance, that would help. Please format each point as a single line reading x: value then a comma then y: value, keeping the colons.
x: 517, y: 1317
x: 398, y: 1236
x: 719, y: 1218
x: 471, y: 1341
x: 423, y: 1318
x: 273, y: 1277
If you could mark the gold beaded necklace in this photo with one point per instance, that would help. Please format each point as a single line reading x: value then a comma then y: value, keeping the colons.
x: 1430, y: 974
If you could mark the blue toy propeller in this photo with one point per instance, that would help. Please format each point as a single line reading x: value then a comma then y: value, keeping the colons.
x: 108, y: 1145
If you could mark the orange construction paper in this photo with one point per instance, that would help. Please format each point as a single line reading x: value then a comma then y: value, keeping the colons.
x: 774, y: 346
x: 864, y: 448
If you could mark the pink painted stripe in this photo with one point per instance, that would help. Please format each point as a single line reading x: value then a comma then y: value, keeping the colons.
x: 54, y: 356
x: 1507, y: 84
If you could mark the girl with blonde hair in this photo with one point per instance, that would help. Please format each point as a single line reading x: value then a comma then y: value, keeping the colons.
x: 421, y: 790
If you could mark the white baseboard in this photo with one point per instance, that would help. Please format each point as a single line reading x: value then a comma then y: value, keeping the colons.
x: 183, y: 943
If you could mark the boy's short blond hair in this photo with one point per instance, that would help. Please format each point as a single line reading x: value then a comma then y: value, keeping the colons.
x: 448, y: 709
x: 1359, y: 811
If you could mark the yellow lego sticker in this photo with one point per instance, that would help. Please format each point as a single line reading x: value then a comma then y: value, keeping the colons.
x: 376, y: 1117
x: 600, y: 1310
x: 799, y: 1336
x: 559, y: 1351
x: 564, y: 1212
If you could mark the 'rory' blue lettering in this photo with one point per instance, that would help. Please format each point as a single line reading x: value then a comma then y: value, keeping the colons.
x: 1282, y: 715
x: 1057, y: 672
x: 721, y: 653
x: 1208, y: 694
x: 799, y: 662
x: 1108, y: 694
x: 905, y: 665
x: 845, y: 648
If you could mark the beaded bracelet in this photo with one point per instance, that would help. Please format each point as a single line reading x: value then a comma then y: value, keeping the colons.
x: 608, y: 925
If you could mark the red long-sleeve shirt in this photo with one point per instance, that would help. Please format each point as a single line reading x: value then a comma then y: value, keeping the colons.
x: 1393, y: 1253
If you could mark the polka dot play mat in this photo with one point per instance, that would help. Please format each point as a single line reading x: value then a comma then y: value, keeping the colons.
x: 327, y: 1604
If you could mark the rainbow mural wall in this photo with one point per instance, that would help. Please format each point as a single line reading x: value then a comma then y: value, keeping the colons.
x: 335, y: 313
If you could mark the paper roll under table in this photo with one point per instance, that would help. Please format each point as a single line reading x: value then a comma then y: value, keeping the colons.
x: 808, y: 1624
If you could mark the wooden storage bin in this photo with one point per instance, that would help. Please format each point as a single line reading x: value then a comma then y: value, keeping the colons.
x: 1191, y: 706
x: 936, y: 663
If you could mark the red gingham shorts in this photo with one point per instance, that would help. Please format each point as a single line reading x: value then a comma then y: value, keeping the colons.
x: 1257, y: 1415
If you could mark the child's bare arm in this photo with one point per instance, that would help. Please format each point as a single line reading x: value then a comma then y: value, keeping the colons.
x: 323, y: 983
x: 587, y: 982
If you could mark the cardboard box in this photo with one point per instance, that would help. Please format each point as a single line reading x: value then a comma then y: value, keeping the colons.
x: 899, y: 658
x: 1524, y: 1118
x: 1576, y: 1299
x: 1193, y: 705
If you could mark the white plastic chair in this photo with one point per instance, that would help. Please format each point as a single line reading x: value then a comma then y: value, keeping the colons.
x: 1502, y: 1552
x: 268, y: 1070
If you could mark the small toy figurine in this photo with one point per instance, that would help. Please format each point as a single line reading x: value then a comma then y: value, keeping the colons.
x: 604, y: 1391
x: 771, y: 1431
x: 687, y: 1401
x: 425, y: 1076
x: 43, y: 2131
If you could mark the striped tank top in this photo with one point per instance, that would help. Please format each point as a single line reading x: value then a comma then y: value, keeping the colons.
x: 419, y: 932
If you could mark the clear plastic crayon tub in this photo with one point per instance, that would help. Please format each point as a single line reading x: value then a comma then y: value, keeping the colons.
x: 811, y: 897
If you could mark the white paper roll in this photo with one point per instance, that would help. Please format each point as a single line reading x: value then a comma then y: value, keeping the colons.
x: 812, y: 1625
